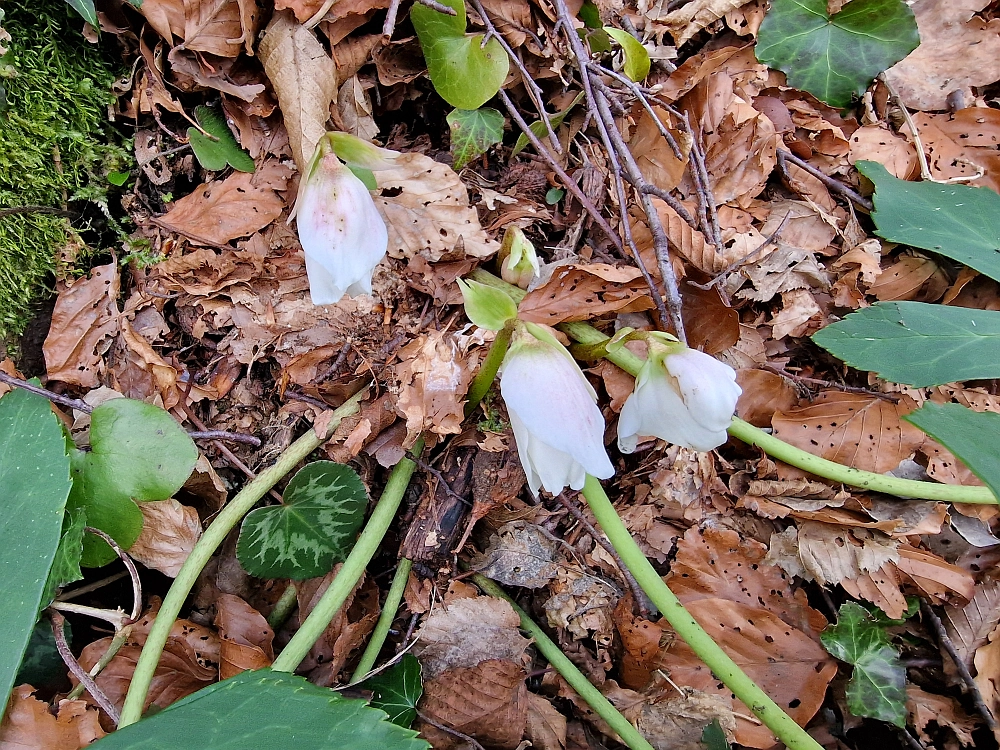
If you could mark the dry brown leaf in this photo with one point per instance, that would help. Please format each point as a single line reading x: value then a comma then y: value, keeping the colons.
x: 426, y: 209
x: 576, y: 292
x: 987, y: 677
x: 832, y: 554
x: 169, y: 531
x: 354, y: 108
x: 220, y: 27
x: 935, y: 577
x: 691, y: 18
x: 911, y: 277
x: 852, y: 429
x: 520, y: 554
x: 969, y: 626
x: 303, y: 9
x: 962, y: 144
x: 28, y: 724
x: 546, y: 727
x: 764, y: 393
x: 653, y: 154
x: 958, y: 49
x: 245, y: 637
x: 925, y: 708
x: 800, y: 315
x: 785, y: 662
x: 712, y: 325
x: 488, y: 702
x: 433, y: 382
x: 238, y: 206
x: 877, y: 143
x: 784, y: 269
x: 467, y: 632
x: 84, y: 318
x: 304, y: 79
x: 689, y: 242
x: 582, y: 604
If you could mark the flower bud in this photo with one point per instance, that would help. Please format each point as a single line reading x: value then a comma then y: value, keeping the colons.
x: 518, y: 261
x: 681, y: 395
x: 558, y: 428
x: 341, y: 230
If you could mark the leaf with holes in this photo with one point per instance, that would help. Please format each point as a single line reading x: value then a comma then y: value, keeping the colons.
x: 637, y: 62
x: 878, y: 685
x: 968, y: 434
x: 216, y: 154
x: 137, y: 452
x: 956, y: 221
x: 324, y: 506
x: 464, y: 72
x: 397, y: 690
x: 473, y: 131
x: 835, y: 57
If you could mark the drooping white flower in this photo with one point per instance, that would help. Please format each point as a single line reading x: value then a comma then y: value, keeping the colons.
x: 558, y: 428
x: 341, y: 230
x: 681, y: 395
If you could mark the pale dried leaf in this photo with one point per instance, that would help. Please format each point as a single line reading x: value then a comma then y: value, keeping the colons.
x: 220, y: 27
x: 692, y: 17
x: 653, y: 154
x: 28, y: 725
x: 433, y: 382
x: 830, y: 554
x: 169, y: 532
x: 943, y: 710
x: 520, y: 554
x: 969, y: 627
x: 578, y: 292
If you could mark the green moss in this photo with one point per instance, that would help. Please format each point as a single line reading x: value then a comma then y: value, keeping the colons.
x: 55, y: 144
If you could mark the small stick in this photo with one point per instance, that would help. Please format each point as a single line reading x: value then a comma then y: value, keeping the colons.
x: 746, y: 258
x: 390, y: 19
x: 129, y: 566
x: 337, y: 363
x: 120, y: 639
x: 58, y: 623
x: 437, y: 475
x: 829, y: 384
x: 439, y: 7
x: 234, y: 437
x: 10, y: 211
x: 831, y: 183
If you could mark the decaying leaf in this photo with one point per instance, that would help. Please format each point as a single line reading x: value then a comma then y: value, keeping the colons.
x: 169, y: 532
x: 520, y: 554
x: 433, y: 382
x: 577, y: 292
x: 925, y: 708
x: 245, y: 637
x: 28, y: 724
x: 691, y: 18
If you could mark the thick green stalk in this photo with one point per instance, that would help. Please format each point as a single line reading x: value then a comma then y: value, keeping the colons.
x: 594, y: 698
x: 392, y: 601
x: 203, y: 550
x: 481, y: 384
x: 354, y: 567
x: 772, y: 446
x: 706, y: 649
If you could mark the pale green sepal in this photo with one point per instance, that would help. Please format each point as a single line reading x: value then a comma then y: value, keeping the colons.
x: 636, y: 57
x: 518, y: 260
x: 357, y: 152
x: 486, y: 306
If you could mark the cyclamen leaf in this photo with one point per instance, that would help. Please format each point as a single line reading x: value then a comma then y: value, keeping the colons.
x: 397, y: 690
x: 917, y: 343
x: 465, y: 73
x: 34, y: 485
x: 264, y: 709
x: 324, y: 506
x: 970, y: 435
x: 215, y: 155
x: 956, y: 221
x: 636, y: 57
x: 473, y: 132
x: 835, y: 57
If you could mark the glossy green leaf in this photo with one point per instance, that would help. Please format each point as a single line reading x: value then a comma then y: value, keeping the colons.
x: 917, y: 343
x: 473, y: 131
x: 397, y: 690
x: 539, y: 129
x: 970, y: 435
x: 554, y: 195
x: 834, y: 58
x: 957, y: 221
x: 878, y: 685
x: 264, y: 709
x: 216, y: 154
x: 34, y: 485
x: 66, y: 565
x: 464, y: 73
x: 713, y: 737
x: 86, y: 10
x: 315, y: 528
x: 486, y: 306
x: 590, y: 14
x: 137, y: 452
x: 637, y: 62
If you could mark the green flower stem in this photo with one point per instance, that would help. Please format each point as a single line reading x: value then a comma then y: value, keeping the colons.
x: 392, y: 601
x: 354, y: 567
x: 283, y: 607
x: 867, y: 480
x: 706, y: 649
x: 488, y: 372
x: 203, y: 550
x: 594, y: 698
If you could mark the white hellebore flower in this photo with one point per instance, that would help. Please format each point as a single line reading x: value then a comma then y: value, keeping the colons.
x: 553, y: 410
x: 683, y: 396
x: 341, y: 230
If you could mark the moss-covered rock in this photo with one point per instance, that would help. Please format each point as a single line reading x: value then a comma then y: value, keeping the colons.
x: 55, y: 144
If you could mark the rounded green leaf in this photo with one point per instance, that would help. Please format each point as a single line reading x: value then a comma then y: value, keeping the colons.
x: 636, y: 57
x: 324, y: 506
x: 473, y: 132
x: 215, y: 155
x: 834, y: 58
x: 464, y: 72
x: 137, y: 452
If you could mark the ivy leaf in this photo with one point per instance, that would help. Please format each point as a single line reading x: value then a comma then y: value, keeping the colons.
x: 464, y: 73
x: 956, y: 221
x: 878, y: 685
x: 137, y: 452
x: 86, y: 10
x: 34, y: 485
x: 970, y: 435
x: 215, y: 155
x: 264, y: 709
x: 917, y: 343
x: 835, y: 57
x: 473, y: 131
x: 636, y: 57
x: 324, y: 506
x: 538, y: 126
x: 397, y: 690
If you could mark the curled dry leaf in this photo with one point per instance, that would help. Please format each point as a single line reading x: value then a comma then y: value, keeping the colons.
x: 28, y: 724
x: 764, y: 393
x: 433, y: 382
x: 304, y: 79
x: 426, y: 209
x: 245, y: 637
x: 691, y: 18
x: 963, y: 144
x: 169, y: 532
x: 546, y: 727
x: 969, y: 626
x: 84, y: 318
x: 576, y: 292
x: 653, y: 155
x: 943, y: 710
